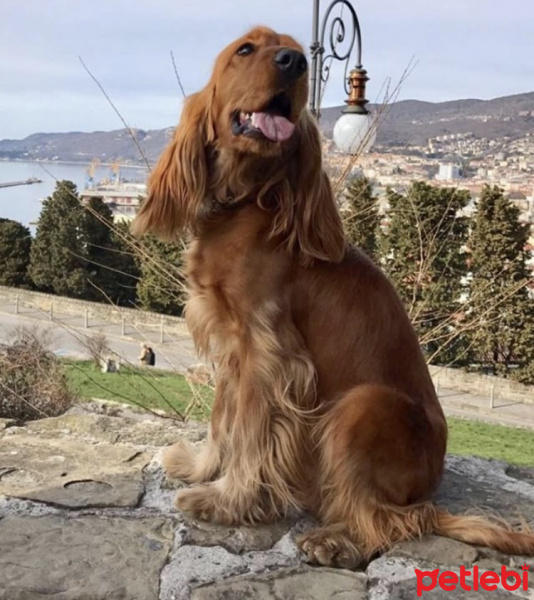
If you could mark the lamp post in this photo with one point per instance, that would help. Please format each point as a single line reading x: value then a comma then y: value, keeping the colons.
x: 354, y: 131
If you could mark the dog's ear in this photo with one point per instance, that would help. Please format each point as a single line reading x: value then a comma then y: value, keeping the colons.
x: 316, y: 229
x: 177, y: 185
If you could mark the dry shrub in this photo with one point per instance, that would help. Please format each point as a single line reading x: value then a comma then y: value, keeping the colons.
x: 32, y: 379
x: 199, y: 375
x: 97, y: 346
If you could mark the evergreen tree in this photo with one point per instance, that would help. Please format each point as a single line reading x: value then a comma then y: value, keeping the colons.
x: 15, y: 247
x: 99, y: 251
x: 423, y: 254
x: 58, y: 256
x: 125, y: 263
x: 160, y: 286
x: 502, y: 337
x: 361, y: 219
x: 79, y: 251
x: 112, y: 270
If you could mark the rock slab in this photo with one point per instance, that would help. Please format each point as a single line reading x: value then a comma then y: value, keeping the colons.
x: 86, y: 514
x: 84, y: 558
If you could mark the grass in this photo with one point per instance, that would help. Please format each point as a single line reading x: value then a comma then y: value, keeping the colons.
x: 163, y: 390
x: 144, y: 387
x: 510, y: 444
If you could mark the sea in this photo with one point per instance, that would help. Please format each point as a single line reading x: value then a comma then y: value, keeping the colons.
x: 23, y: 203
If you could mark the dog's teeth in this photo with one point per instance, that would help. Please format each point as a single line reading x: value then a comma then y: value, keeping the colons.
x: 244, y: 117
x: 253, y: 119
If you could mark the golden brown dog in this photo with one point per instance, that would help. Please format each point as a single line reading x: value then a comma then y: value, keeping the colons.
x: 323, y: 398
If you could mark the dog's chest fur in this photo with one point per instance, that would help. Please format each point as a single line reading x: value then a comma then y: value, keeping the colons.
x: 232, y: 279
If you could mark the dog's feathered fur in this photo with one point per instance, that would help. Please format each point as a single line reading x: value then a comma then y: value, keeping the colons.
x: 323, y: 398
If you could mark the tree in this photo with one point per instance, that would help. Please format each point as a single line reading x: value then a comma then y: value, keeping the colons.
x: 112, y: 270
x: 99, y: 252
x: 360, y: 218
x: 15, y: 247
x: 160, y: 286
x: 126, y: 263
x: 79, y: 251
x: 423, y: 253
x: 503, y: 341
x: 58, y: 256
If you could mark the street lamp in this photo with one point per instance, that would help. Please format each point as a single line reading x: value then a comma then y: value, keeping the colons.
x: 354, y: 132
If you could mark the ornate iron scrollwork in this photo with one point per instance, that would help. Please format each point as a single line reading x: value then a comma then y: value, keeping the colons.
x: 321, y: 58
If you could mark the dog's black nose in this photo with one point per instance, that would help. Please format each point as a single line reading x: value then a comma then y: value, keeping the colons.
x: 292, y: 63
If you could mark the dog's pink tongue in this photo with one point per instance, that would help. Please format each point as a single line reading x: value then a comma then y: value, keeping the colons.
x: 274, y: 127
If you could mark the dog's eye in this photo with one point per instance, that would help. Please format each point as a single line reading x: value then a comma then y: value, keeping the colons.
x: 245, y: 49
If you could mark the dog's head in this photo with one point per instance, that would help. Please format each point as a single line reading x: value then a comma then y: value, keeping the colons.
x: 259, y: 90
x: 249, y: 135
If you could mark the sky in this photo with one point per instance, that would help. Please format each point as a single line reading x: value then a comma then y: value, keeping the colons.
x: 462, y: 49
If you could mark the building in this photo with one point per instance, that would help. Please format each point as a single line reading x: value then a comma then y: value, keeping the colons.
x: 449, y: 172
x: 122, y: 198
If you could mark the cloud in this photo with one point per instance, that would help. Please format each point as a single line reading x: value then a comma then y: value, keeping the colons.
x: 464, y: 49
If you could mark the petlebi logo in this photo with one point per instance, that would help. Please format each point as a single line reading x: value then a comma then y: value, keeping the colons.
x: 472, y: 579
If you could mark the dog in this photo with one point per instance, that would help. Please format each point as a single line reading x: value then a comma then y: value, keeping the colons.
x: 323, y: 400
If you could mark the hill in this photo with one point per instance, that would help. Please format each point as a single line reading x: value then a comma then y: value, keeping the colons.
x: 412, y: 122
x: 77, y: 146
x: 408, y: 123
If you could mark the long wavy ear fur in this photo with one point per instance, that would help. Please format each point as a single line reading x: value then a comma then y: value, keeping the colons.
x: 314, y: 224
x: 178, y: 182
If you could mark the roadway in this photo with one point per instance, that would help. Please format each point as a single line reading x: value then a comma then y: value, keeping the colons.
x: 68, y: 336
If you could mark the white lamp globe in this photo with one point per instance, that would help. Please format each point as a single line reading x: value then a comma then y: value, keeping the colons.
x: 354, y: 132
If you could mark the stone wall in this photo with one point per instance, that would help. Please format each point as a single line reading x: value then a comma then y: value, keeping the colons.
x: 50, y: 304
x: 482, y: 385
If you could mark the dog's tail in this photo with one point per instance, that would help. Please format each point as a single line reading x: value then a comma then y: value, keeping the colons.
x: 478, y: 530
x: 377, y: 527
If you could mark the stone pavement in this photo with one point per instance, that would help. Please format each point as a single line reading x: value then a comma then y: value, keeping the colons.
x: 86, y: 514
x: 471, y: 406
x: 175, y: 352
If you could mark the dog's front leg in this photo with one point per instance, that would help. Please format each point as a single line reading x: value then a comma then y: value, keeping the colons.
x: 244, y: 493
x: 183, y: 461
x: 266, y: 467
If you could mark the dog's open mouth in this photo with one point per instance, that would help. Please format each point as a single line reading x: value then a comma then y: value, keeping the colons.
x: 272, y: 122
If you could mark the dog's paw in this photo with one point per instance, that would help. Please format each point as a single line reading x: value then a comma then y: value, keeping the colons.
x: 179, y: 461
x: 203, y: 502
x: 183, y: 461
x: 330, y: 548
x: 209, y: 503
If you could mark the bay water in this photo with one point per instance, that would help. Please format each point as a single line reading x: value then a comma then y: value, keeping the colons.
x: 23, y: 203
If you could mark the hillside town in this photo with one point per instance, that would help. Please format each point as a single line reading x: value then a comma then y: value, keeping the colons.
x: 458, y: 160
